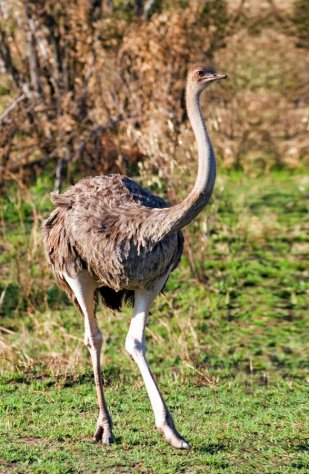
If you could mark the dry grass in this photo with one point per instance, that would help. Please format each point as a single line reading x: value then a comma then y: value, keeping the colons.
x: 242, y: 259
x: 130, y: 113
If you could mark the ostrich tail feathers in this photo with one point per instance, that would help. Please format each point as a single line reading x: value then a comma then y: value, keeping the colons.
x: 115, y: 299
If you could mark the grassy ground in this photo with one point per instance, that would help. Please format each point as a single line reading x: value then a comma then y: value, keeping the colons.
x: 228, y: 350
x: 232, y: 429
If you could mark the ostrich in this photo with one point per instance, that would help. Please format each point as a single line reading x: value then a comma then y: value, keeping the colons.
x: 109, y: 236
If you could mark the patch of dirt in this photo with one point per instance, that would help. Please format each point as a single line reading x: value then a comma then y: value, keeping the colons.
x: 31, y: 441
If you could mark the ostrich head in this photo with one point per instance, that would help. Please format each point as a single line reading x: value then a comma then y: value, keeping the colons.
x: 200, y: 76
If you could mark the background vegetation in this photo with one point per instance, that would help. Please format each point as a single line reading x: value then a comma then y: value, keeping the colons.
x: 98, y: 87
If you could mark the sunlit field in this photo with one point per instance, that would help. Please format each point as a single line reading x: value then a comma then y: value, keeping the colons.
x: 94, y: 88
x: 228, y: 350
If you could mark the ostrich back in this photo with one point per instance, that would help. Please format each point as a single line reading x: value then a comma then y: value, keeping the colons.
x: 104, y: 224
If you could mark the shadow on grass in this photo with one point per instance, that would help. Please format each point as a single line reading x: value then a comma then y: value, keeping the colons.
x: 212, y: 448
x: 302, y: 447
x: 64, y: 380
x: 110, y: 375
x: 117, y: 440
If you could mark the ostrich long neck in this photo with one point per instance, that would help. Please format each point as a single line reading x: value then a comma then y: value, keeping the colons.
x: 175, y: 218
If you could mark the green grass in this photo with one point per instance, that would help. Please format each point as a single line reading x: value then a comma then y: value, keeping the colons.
x: 232, y: 428
x: 228, y: 347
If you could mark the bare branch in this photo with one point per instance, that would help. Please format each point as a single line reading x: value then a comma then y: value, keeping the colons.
x: 11, y: 107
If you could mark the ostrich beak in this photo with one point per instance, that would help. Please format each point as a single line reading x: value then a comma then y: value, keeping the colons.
x: 217, y: 77
x: 213, y: 76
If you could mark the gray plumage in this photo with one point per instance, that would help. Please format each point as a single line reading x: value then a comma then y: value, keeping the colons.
x: 105, y: 225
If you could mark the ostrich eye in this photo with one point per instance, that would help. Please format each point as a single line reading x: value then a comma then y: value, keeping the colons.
x: 200, y: 73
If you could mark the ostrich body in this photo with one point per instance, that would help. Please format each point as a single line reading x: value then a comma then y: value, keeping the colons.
x: 108, y: 235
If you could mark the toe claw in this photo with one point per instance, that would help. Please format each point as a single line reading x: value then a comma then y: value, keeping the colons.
x: 98, y: 434
x: 173, y: 437
x: 103, y: 433
x: 108, y: 439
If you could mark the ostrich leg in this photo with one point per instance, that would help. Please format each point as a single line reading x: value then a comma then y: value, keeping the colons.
x: 83, y: 286
x: 136, y: 347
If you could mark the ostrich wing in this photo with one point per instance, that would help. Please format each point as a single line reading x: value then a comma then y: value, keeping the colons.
x: 104, y: 219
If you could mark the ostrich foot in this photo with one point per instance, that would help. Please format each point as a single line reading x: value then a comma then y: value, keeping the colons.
x: 103, y: 435
x: 173, y: 438
x: 171, y: 434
